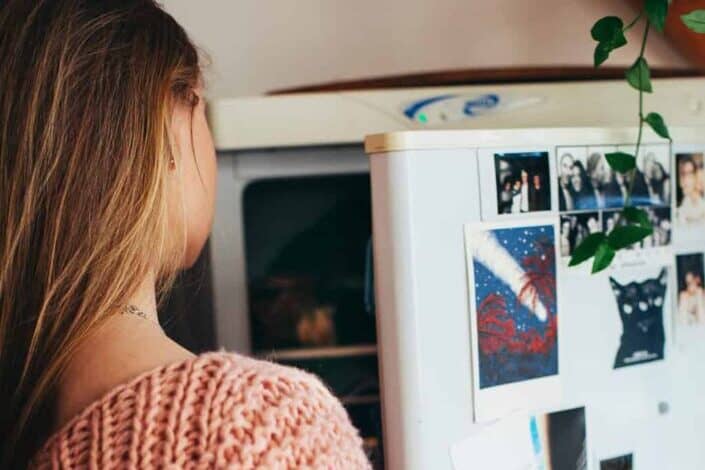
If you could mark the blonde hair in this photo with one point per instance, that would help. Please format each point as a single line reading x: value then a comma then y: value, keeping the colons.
x: 88, y: 89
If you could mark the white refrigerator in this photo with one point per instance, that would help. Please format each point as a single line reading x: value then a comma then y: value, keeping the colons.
x: 480, y: 318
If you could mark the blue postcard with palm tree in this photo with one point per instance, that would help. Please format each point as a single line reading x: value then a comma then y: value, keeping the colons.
x: 514, y: 315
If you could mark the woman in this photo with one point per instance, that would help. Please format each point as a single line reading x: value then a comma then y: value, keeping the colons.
x: 565, y: 195
x: 539, y: 199
x: 505, y: 196
x: 691, y: 206
x: 657, y: 181
x: 581, y: 227
x: 107, y: 183
x: 691, y: 300
x: 581, y: 188
x: 600, y: 176
x: 565, y: 239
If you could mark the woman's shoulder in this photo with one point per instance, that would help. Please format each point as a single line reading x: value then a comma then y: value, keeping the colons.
x: 217, y: 409
x: 229, y: 369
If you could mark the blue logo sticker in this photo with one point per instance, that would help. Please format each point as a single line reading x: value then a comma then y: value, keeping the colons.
x: 486, y: 102
x: 457, y: 104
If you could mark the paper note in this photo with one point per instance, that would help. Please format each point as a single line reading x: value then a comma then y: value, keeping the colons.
x: 504, y: 444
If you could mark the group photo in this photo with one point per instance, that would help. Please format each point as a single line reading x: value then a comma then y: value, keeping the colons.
x: 522, y: 182
x: 586, y: 181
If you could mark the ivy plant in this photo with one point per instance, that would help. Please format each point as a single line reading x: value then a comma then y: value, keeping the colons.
x: 633, y: 224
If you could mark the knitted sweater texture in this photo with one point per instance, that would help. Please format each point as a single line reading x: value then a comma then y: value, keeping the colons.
x: 217, y: 410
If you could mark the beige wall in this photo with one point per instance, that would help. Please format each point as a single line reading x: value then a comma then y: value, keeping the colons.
x: 259, y: 45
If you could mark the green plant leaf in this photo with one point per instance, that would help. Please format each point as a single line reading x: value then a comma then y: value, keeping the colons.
x: 601, y: 54
x: 605, y: 29
x: 626, y: 235
x: 587, y: 248
x: 656, y: 122
x: 657, y: 10
x: 609, y: 34
x: 603, y: 257
x: 695, y: 20
x: 621, y: 162
x: 636, y: 216
x: 639, y: 75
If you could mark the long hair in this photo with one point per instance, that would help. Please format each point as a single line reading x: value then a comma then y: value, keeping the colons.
x: 87, y: 89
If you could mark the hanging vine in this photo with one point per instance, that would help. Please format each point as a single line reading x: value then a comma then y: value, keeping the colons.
x: 633, y: 224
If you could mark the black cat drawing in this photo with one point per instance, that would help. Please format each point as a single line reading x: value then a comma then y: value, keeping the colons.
x: 641, y: 310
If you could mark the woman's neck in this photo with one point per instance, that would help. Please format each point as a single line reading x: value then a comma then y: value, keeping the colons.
x: 123, y: 347
x: 144, y: 300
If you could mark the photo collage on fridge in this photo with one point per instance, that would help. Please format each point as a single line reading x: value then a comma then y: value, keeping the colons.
x: 526, y: 330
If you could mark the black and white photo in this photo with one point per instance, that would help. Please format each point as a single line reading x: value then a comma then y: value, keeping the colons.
x: 655, y: 169
x: 602, y: 181
x: 609, y: 221
x: 586, y: 181
x: 575, y: 228
x: 575, y: 188
x: 660, y: 218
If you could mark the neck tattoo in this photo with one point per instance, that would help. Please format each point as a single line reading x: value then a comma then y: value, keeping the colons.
x: 132, y: 310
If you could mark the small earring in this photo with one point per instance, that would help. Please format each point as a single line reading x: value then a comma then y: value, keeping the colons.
x: 172, y: 163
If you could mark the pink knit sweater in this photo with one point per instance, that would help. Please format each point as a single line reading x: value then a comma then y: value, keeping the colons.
x: 217, y: 410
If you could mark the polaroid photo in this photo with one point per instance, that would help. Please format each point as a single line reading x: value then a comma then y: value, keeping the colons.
x: 576, y: 227
x: 690, y: 302
x: 522, y: 180
x: 514, y: 316
x: 640, y: 305
x: 690, y: 189
x: 515, y: 182
x: 621, y: 462
x: 689, y: 196
x: 560, y: 439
